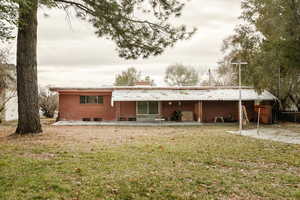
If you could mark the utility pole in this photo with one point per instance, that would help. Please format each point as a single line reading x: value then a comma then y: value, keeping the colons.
x: 239, y: 64
x: 279, y: 81
x: 278, y: 95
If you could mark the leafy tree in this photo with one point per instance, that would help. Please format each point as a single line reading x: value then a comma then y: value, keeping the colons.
x: 143, y: 36
x: 7, y: 72
x: 5, y: 96
x: 7, y: 81
x: 269, y: 40
x: 214, y: 79
x: 131, y: 77
x: 180, y: 75
x: 149, y: 80
x: 7, y: 76
x: 128, y: 78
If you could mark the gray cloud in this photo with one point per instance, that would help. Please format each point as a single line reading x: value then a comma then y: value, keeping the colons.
x: 71, y: 53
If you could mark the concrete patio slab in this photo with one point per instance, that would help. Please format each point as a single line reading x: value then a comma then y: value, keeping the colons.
x: 273, y: 134
x: 125, y: 123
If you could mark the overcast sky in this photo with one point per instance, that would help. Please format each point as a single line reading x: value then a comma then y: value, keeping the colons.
x: 69, y: 54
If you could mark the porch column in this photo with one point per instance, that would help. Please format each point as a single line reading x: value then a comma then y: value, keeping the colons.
x: 200, y: 111
x: 118, y: 110
x: 160, y: 108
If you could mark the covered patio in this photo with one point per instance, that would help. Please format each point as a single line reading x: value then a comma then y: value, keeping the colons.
x: 201, y: 106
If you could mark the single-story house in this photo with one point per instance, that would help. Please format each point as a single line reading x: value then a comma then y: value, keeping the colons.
x: 151, y: 103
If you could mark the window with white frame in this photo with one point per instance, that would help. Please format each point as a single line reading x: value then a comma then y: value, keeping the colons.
x: 147, y: 108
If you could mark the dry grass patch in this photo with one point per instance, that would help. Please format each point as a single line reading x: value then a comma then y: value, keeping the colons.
x: 145, y: 163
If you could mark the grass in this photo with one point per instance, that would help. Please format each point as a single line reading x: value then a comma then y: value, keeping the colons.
x: 145, y: 163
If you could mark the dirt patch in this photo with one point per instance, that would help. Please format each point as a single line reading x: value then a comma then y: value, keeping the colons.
x: 38, y: 156
x: 90, y: 136
x: 160, y: 162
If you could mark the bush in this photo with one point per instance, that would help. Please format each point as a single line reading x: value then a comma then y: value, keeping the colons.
x: 48, y: 103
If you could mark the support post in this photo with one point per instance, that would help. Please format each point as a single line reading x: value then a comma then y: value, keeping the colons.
x: 240, y: 101
x: 118, y: 110
x: 200, y: 111
x: 258, y: 121
x: 199, y: 119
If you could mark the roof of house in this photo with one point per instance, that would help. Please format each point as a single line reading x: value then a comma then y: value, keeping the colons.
x: 154, y: 93
x: 61, y: 89
x: 190, y: 95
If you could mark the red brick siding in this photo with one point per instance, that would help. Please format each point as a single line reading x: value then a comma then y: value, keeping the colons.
x: 71, y: 109
x: 211, y: 109
x: 128, y: 109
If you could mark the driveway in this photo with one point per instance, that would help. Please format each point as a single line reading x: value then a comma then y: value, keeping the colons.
x: 274, y: 134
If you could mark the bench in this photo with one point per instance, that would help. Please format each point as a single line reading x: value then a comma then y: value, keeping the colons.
x: 160, y: 119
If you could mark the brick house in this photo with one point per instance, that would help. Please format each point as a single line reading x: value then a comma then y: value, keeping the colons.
x: 147, y: 103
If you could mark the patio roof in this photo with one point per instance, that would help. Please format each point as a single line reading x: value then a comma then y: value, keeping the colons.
x: 190, y: 95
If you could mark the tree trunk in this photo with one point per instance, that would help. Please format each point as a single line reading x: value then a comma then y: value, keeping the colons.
x: 27, y: 86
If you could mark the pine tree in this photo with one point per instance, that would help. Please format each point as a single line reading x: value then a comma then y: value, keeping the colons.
x: 113, y: 19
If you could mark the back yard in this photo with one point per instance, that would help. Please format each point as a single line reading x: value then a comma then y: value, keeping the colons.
x: 146, y: 163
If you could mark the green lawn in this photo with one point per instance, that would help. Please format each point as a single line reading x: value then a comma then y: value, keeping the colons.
x: 145, y: 163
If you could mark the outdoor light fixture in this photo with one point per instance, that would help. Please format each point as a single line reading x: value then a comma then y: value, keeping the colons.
x: 170, y: 103
x: 179, y: 103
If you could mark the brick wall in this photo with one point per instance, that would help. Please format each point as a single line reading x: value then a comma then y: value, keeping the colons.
x: 71, y: 109
x: 128, y: 109
x: 211, y: 109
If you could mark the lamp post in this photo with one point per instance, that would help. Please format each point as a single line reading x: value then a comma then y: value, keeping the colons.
x: 240, y: 63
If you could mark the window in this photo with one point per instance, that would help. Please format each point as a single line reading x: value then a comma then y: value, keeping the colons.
x: 142, y: 108
x: 153, y: 107
x: 147, y: 108
x: 91, y: 99
x: 100, y: 100
x: 82, y: 99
